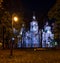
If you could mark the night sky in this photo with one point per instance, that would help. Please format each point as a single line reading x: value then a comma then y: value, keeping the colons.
x: 27, y: 7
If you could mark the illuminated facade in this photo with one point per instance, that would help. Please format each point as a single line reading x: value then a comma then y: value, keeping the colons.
x: 47, y: 36
x: 33, y: 37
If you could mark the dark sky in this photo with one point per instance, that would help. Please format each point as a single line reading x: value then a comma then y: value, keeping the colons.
x: 40, y: 7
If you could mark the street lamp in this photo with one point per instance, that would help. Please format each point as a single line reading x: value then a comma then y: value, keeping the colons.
x: 14, y: 19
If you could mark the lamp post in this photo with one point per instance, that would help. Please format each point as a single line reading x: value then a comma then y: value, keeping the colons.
x: 14, y: 19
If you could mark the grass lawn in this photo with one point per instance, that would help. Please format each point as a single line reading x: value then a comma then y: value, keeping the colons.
x: 30, y: 56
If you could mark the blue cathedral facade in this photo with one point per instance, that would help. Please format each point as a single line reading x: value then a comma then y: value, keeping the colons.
x: 35, y: 37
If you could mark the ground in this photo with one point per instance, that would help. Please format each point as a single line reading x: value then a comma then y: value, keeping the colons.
x: 30, y: 56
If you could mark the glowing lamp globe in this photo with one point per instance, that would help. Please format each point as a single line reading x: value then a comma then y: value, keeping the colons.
x: 15, y: 19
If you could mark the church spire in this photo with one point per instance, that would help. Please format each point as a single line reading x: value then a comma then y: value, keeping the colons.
x: 34, y: 18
